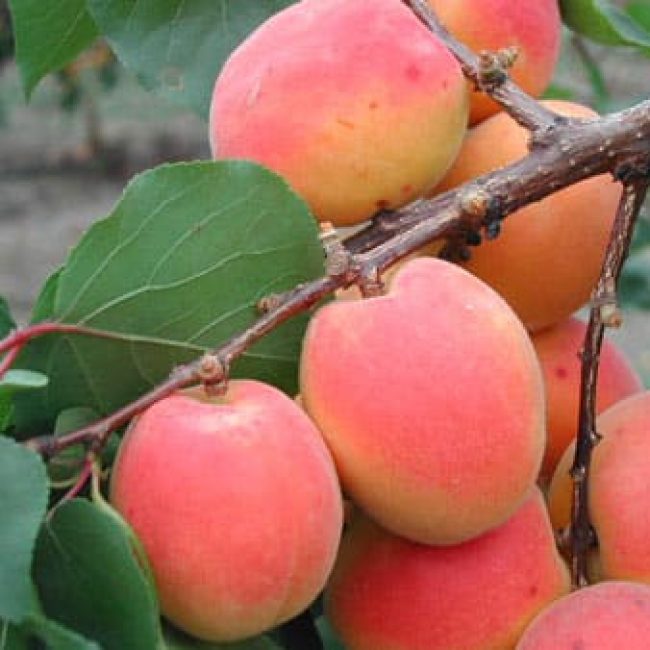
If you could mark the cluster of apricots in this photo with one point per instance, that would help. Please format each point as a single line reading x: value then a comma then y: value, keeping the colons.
x: 438, y: 409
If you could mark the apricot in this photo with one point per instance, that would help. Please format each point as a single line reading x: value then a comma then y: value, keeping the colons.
x: 356, y: 104
x: 387, y: 593
x: 619, y: 490
x: 606, y: 616
x: 557, y: 349
x: 534, y: 28
x: 548, y: 258
x: 430, y: 399
x: 237, y: 505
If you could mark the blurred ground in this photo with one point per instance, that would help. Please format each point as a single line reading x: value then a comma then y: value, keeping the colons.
x: 51, y: 191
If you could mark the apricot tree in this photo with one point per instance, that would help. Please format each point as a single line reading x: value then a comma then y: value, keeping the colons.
x: 209, y: 271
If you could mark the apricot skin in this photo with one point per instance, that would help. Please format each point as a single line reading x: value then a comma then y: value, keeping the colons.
x: 548, y: 257
x: 237, y: 505
x: 431, y: 401
x: 606, y: 616
x: 534, y: 28
x: 356, y: 104
x: 557, y: 350
x: 390, y: 594
x: 619, y: 490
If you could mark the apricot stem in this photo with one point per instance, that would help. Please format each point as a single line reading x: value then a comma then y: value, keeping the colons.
x: 493, y: 81
x: 582, y: 536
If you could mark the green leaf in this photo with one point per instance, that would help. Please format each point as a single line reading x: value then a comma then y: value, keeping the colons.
x: 603, y: 22
x: 44, y: 306
x: 176, y: 269
x: 6, y: 414
x: 6, y: 321
x: 89, y: 579
x: 634, y: 286
x: 49, y: 34
x: 330, y: 639
x: 12, y: 637
x: 15, y: 382
x: 176, y: 640
x: 37, y: 626
x: 639, y: 10
x: 21, y: 380
x: 55, y: 636
x: 556, y: 91
x: 23, y: 500
x: 64, y: 468
x: 178, y: 47
x: 641, y: 238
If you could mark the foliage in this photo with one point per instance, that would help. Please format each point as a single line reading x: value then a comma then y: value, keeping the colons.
x: 165, y: 295
x: 187, y: 253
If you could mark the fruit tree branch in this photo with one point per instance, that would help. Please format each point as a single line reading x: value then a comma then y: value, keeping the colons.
x: 571, y: 152
x: 604, y: 312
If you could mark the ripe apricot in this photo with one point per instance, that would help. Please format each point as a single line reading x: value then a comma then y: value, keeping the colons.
x: 548, y: 258
x: 619, y: 490
x: 387, y: 593
x: 534, y: 28
x: 606, y: 616
x: 557, y: 350
x: 237, y: 505
x: 431, y: 401
x: 356, y: 104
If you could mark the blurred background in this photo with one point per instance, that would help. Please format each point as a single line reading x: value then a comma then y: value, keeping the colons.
x: 66, y: 157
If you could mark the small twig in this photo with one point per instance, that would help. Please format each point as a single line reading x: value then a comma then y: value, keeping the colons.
x: 14, y: 342
x: 9, y: 359
x: 603, y: 313
x: 82, y: 479
x: 521, y: 107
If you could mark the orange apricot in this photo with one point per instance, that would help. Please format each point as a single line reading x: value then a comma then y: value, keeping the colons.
x: 557, y: 349
x: 237, y: 505
x: 606, y: 616
x: 431, y: 401
x: 387, y: 593
x: 548, y: 257
x: 534, y: 28
x: 356, y: 104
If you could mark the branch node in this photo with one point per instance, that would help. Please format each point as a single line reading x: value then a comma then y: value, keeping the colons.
x: 611, y: 315
x: 370, y: 283
x: 631, y: 171
x: 338, y: 259
x: 578, y: 474
x: 475, y: 203
x: 213, y: 374
x: 595, y: 437
x: 269, y: 302
x: 606, y: 302
x: 492, y: 67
